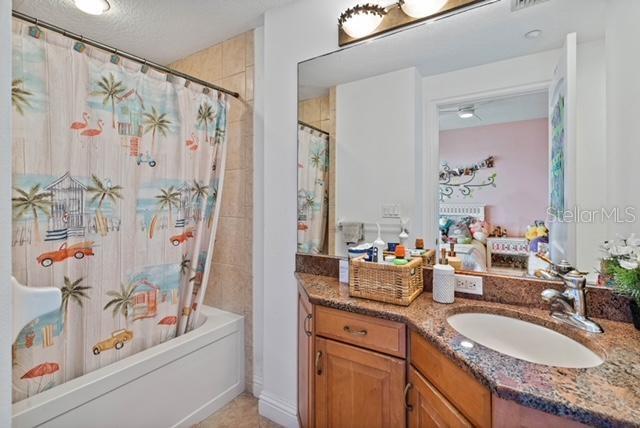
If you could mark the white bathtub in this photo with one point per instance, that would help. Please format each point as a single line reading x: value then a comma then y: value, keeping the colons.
x: 174, y: 384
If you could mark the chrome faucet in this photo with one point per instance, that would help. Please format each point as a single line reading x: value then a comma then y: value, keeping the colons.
x: 569, y: 306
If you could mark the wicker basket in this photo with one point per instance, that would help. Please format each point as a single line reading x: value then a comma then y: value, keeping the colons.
x: 399, y: 285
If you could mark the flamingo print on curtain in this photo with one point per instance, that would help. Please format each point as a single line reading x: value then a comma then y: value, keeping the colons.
x: 313, y: 172
x: 117, y: 171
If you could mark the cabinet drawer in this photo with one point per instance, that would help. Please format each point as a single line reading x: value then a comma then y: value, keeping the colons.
x: 468, y: 395
x: 430, y: 408
x: 368, y: 332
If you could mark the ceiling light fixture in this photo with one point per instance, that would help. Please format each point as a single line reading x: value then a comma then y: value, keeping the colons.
x: 533, y: 34
x: 93, y: 7
x: 421, y: 8
x: 466, y: 112
x: 361, y: 20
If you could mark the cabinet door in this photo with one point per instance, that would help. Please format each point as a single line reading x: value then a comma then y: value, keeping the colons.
x: 305, y: 362
x: 430, y: 409
x: 357, y: 388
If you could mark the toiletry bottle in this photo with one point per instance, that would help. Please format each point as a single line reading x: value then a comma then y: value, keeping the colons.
x: 401, y: 254
x: 404, y: 236
x: 444, y: 281
x: 454, y: 260
x: 379, y: 246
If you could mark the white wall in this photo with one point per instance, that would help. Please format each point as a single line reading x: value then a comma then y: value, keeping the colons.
x: 5, y: 214
x: 623, y: 123
x: 376, y: 122
x: 535, y: 72
x: 293, y: 33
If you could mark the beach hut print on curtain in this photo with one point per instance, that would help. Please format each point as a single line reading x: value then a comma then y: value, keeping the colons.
x: 102, y: 189
x: 67, y: 208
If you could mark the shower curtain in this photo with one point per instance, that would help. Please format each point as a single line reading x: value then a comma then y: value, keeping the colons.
x: 313, y: 173
x: 117, y: 171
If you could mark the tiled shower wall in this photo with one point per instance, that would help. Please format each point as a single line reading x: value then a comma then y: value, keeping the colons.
x: 230, y: 65
x: 320, y: 112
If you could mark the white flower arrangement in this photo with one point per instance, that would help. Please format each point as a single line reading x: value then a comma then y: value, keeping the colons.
x: 622, y: 263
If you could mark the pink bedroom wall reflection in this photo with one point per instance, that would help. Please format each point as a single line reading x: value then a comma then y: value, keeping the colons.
x: 521, y: 153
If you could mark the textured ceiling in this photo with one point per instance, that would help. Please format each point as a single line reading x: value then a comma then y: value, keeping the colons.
x: 494, y: 111
x: 160, y: 30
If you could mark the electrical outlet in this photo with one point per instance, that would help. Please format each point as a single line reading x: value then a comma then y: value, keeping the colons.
x: 469, y: 284
x: 391, y: 211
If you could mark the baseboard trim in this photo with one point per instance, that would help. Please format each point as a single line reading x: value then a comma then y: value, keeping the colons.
x: 256, y: 387
x: 278, y: 410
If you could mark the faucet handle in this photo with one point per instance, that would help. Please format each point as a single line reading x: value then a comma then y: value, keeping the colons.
x: 575, y: 279
x: 558, y: 269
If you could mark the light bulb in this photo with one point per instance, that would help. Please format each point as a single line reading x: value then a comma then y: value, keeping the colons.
x: 93, y: 7
x: 422, y: 8
x: 360, y: 21
x: 466, y: 112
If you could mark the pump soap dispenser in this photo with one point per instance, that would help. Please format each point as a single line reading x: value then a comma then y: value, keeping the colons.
x: 378, y: 247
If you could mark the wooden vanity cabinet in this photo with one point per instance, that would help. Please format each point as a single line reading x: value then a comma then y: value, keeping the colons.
x: 355, y: 387
x: 360, y: 371
x: 463, y: 391
x: 429, y: 408
x: 305, y: 362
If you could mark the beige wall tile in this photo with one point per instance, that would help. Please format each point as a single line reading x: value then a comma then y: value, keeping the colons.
x: 235, y: 150
x: 249, y: 58
x: 233, y: 194
x: 324, y: 108
x: 233, y: 55
x: 311, y: 110
x: 229, y: 233
x: 248, y: 94
x: 205, y: 64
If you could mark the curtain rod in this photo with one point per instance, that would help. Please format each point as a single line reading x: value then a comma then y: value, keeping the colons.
x: 111, y: 49
x: 312, y: 127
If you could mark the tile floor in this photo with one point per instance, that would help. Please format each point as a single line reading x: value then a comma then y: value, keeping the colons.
x: 242, y: 412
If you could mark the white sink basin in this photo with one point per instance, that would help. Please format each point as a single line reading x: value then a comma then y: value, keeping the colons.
x: 524, y: 340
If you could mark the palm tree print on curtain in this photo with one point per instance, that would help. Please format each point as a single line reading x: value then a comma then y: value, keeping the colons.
x: 206, y: 114
x: 156, y: 123
x: 110, y: 90
x: 19, y: 95
x: 34, y: 201
x: 101, y: 221
x: 101, y: 191
x: 313, y: 168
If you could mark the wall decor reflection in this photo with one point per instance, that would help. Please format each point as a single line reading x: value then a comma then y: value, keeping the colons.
x: 558, y: 137
x: 464, y: 181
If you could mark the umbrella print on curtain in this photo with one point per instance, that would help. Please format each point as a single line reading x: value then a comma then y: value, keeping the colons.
x: 39, y: 372
x: 167, y: 322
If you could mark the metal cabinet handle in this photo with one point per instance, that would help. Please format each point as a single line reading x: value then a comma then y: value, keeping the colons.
x: 349, y: 330
x: 407, y: 388
x: 307, y: 331
x: 318, y: 366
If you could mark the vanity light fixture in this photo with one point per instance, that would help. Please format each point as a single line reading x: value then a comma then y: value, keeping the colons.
x: 361, y: 20
x: 466, y: 112
x: 421, y: 8
x: 93, y: 7
x: 368, y: 20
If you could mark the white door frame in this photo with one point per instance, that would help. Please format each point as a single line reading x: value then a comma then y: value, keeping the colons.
x: 431, y: 155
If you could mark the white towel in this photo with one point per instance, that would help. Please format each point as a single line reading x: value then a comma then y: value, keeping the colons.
x: 353, y: 233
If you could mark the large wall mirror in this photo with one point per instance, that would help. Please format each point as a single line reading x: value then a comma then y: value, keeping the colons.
x: 491, y: 130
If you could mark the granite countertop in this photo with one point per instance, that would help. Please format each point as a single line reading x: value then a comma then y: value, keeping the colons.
x: 603, y: 396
